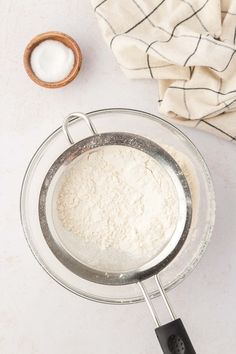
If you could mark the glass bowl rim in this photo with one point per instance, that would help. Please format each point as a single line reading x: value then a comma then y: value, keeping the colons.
x: 199, y: 254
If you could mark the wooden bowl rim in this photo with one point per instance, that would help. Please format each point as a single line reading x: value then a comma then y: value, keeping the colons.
x: 63, y: 38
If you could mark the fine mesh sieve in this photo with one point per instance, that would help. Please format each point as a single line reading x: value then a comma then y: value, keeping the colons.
x: 172, y: 333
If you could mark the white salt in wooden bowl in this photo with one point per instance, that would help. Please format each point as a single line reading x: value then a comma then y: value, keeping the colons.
x: 68, y: 42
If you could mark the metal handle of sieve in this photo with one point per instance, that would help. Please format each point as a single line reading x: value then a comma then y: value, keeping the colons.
x: 74, y: 116
x: 172, y: 336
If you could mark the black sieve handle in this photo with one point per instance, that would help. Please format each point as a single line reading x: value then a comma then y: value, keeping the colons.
x: 174, y: 338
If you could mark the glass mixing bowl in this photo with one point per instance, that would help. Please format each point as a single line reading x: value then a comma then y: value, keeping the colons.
x: 157, y: 130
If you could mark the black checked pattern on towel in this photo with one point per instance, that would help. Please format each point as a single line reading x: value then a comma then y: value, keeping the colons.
x: 204, y: 27
x: 145, y: 17
x: 153, y: 25
x: 198, y: 42
x: 155, y: 47
x: 234, y: 35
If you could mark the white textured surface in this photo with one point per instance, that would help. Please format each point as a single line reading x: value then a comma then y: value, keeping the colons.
x: 38, y: 316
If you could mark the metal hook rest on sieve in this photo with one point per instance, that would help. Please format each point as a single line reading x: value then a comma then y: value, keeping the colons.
x: 73, y: 116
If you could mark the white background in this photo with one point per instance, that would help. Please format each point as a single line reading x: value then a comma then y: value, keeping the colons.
x: 37, y: 316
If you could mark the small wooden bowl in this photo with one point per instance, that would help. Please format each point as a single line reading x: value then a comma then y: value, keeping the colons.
x: 61, y: 37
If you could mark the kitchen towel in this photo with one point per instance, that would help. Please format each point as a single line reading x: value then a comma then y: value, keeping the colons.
x: 189, y: 46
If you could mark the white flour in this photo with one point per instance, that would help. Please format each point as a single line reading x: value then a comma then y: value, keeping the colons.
x: 119, y: 205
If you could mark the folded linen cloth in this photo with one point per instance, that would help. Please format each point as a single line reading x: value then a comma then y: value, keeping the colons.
x: 189, y: 46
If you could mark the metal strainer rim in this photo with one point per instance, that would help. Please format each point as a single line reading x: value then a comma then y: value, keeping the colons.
x: 106, y: 277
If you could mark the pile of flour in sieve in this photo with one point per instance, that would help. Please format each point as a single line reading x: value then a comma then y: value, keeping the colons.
x: 119, y: 205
